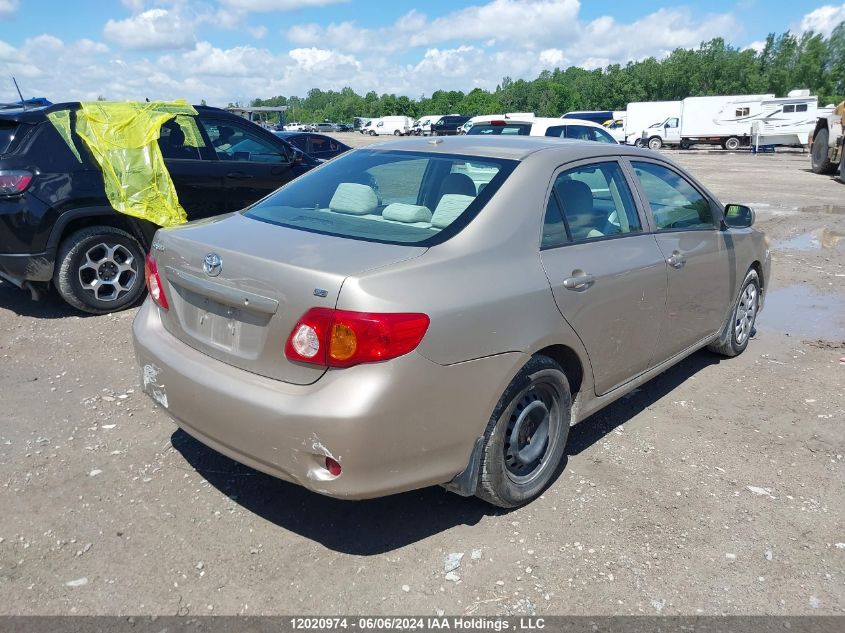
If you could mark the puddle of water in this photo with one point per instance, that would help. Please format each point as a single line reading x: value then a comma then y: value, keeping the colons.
x: 824, y: 208
x: 802, y: 311
x: 825, y: 238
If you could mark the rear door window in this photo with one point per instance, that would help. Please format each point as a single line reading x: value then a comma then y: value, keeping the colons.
x: 595, y: 202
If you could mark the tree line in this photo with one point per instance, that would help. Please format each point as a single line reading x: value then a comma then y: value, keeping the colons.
x: 785, y: 62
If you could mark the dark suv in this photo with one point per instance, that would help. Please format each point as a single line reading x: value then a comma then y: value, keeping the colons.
x: 448, y: 125
x: 57, y: 226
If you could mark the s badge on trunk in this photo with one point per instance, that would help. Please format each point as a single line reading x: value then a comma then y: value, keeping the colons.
x: 212, y: 264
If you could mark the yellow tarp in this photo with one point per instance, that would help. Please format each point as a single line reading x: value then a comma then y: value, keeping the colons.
x: 122, y: 137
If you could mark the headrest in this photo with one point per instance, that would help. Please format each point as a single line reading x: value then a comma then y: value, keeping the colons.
x: 401, y: 212
x: 354, y: 198
x: 450, y: 207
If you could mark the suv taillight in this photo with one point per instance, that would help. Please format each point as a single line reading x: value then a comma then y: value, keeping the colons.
x: 14, y: 181
x: 154, y: 285
x: 341, y: 338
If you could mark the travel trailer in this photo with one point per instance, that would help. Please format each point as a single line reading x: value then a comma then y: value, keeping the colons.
x: 641, y: 115
x: 724, y: 120
x: 788, y: 120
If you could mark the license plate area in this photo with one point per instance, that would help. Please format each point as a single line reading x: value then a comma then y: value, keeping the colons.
x: 228, y: 328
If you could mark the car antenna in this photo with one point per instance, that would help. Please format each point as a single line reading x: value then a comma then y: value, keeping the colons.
x: 15, y: 81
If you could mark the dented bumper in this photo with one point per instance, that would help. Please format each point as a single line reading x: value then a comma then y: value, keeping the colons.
x: 394, y: 426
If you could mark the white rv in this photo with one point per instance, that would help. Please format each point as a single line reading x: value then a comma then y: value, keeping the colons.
x: 394, y: 125
x: 788, y: 120
x: 724, y: 120
x: 642, y: 115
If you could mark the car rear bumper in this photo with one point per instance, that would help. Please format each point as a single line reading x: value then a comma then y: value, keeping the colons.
x: 394, y: 426
x: 20, y: 268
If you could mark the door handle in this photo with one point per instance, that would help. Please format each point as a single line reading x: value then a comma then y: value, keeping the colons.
x: 238, y: 175
x: 676, y: 259
x: 579, y: 282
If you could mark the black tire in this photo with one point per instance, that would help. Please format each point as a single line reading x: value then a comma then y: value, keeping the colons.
x: 655, y: 143
x: 100, y: 253
x: 819, y: 155
x: 685, y: 144
x: 503, y: 480
x: 732, y: 144
x: 734, y: 344
x: 397, y: 133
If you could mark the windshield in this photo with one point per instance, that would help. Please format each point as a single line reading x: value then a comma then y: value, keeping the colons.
x: 387, y: 196
x: 519, y: 129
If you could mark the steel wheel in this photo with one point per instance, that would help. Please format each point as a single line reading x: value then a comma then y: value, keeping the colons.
x: 526, y: 436
x: 746, y: 312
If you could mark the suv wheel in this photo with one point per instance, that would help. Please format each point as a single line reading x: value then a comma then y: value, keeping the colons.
x: 100, y: 269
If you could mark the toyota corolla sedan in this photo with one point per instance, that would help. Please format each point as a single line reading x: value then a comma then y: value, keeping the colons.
x: 441, y: 311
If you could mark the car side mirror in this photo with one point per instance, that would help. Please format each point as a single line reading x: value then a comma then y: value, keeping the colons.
x: 738, y: 216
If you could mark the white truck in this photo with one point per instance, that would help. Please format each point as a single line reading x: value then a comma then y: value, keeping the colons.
x: 641, y: 115
x: 395, y: 125
x: 827, y: 145
x: 724, y: 120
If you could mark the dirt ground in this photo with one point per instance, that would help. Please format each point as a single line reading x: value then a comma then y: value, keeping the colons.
x: 717, y: 488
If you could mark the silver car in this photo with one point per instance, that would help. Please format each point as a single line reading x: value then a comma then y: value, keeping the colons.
x: 440, y: 311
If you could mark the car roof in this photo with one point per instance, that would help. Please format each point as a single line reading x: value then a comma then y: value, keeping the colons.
x: 510, y: 147
x: 39, y: 113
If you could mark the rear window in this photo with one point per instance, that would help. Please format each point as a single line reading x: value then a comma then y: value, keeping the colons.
x: 517, y: 129
x: 382, y: 196
x: 8, y: 129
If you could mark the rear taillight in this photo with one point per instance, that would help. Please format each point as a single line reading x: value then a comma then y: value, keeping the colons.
x: 154, y: 285
x: 340, y: 338
x: 14, y: 181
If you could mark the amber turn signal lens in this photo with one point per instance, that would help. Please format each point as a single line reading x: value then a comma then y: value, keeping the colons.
x: 344, y: 343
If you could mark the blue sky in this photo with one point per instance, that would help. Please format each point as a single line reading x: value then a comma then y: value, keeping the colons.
x: 227, y: 50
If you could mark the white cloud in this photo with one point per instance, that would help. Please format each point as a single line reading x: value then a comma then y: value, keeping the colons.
x: 8, y: 7
x: 155, y: 53
x: 824, y: 19
x: 246, y: 6
x: 757, y: 46
x: 152, y: 29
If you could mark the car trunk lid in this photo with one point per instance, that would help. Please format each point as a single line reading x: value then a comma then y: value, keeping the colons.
x: 268, y: 277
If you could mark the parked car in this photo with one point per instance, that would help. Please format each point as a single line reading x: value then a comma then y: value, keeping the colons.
x: 542, y: 126
x: 344, y: 127
x: 448, y: 125
x: 419, y: 313
x: 316, y: 145
x: 58, y: 228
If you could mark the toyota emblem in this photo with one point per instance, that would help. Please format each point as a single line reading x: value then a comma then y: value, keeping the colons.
x: 212, y: 264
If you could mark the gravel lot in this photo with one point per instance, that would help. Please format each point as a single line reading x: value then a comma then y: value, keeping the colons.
x: 716, y: 488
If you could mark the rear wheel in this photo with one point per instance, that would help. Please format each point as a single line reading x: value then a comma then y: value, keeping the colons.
x: 740, y: 326
x: 655, y: 143
x: 526, y: 435
x: 732, y: 143
x: 100, y: 269
x: 819, y: 154
x: 397, y: 133
x: 685, y: 144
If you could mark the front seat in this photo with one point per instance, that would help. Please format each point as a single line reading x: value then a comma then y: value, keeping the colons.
x: 460, y: 184
x: 584, y: 220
